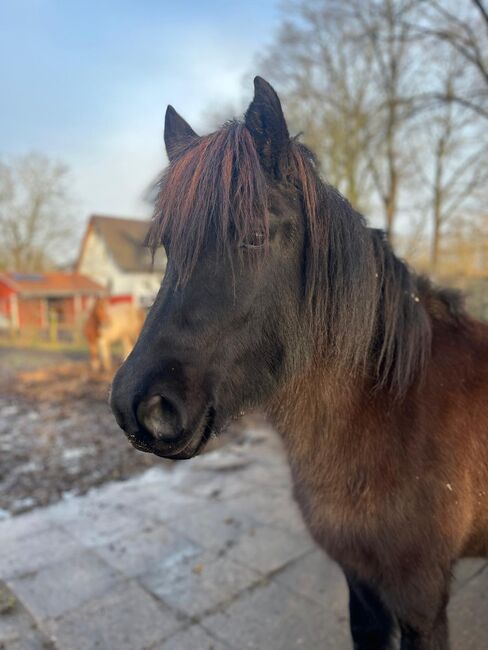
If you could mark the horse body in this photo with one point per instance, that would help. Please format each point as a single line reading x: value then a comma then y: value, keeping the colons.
x: 362, y: 474
x: 404, y: 459
x: 277, y: 295
x: 396, y: 491
x: 108, y: 324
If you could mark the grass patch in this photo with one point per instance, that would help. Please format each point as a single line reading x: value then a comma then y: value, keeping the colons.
x: 7, y: 601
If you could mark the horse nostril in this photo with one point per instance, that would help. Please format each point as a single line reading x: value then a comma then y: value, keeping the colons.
x: 160, y: 416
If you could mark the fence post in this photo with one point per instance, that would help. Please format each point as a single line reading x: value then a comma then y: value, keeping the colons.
x: 53, y: 326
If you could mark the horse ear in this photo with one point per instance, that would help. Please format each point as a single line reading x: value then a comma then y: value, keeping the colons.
x: 265, y: 120
x: 178, y: 134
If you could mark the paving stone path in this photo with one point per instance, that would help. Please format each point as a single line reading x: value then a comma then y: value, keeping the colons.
x: 209, y: 555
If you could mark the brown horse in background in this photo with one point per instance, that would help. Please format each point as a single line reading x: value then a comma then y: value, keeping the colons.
x: 108, y: 324
x: 278, y: 295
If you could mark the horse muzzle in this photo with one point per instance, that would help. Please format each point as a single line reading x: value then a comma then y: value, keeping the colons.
x: 155, y: 435
x: 164, y: 420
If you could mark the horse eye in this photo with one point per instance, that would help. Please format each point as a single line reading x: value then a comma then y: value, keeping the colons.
x: 255, y: 239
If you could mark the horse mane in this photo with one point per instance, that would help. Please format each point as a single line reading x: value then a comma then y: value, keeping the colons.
x: 366, y: 307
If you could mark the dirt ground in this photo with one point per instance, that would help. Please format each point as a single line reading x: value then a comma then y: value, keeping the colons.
x: 57, y: 434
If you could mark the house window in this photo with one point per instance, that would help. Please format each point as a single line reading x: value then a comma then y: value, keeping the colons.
x: 57, y: 308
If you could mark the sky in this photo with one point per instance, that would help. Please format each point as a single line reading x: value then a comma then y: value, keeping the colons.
x: 88, y: 82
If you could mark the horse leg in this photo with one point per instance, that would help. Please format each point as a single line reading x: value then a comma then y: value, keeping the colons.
x: 370, y: 621
x: 104, y: 350
x: 431, y: 637
x: 94, y: 358
x: 421, y: 609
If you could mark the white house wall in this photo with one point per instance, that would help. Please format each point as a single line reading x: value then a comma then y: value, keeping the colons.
x: 142, y: 285
x: 98, y: 264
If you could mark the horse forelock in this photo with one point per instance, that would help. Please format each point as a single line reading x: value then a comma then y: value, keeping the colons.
x: 216, y: 185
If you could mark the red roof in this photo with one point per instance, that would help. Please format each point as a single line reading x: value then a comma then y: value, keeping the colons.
x: 51, y: 284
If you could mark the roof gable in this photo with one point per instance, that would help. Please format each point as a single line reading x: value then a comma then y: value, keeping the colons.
x: 124, y: 239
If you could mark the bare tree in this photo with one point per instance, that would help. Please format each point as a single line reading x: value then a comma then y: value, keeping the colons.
x: 346, y: 71
x: 459, y: 170
x: 449, y: 158
x: 35, y: 222
x: 324, y: 82
x: 461, y: 28
x: 384, y: 29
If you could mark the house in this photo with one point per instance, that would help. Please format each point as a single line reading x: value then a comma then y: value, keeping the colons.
x: 113, y: 254
x: 30, y: 300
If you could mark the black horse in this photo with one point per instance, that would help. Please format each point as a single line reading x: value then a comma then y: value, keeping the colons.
x: 277, y: 295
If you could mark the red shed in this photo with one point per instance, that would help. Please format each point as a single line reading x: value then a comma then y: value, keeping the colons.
x: 27, y: 299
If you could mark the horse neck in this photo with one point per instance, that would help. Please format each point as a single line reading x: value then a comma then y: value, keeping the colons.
x: 325, y: 415
x: 315, y: 401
